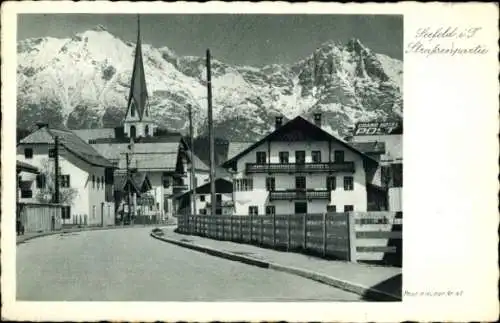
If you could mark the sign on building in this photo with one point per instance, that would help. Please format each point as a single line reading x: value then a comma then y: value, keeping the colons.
x: 378, y: 128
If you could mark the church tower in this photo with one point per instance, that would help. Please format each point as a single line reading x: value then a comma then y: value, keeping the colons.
x: 138, y: 121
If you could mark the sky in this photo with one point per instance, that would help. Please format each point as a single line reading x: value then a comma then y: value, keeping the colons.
x: 241, y: 39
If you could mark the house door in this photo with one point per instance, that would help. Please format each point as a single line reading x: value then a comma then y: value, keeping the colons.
x: 300, y: 207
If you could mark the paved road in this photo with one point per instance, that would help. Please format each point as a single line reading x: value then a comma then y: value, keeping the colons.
x: 128, y: 265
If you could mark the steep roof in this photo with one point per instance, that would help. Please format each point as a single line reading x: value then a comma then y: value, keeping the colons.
x: 298, y: 129
x: 161, y: 161
x: 198, y: 163
x: 70, y: 141
x: 236, y: 147
x: 138, y: 95
x: 139, y: 182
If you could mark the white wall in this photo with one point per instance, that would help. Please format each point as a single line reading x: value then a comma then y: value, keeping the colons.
x: 80, y: 179
x: 260, y: 197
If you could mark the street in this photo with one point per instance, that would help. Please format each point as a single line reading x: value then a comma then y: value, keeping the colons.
x: 129, y: 265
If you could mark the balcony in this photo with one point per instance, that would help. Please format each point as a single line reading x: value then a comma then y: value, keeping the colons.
x: 295, y: 194
x: 347, y: 167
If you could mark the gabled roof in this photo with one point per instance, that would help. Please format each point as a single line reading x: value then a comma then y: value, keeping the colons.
x: 139, y: 182
x: 298, y: 129
x: 221, y: 186
x: 70, y: 141
x: 236, y: 147
x: 90, y: 134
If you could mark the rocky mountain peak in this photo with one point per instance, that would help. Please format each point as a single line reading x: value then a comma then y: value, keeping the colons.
x: 83, y: 82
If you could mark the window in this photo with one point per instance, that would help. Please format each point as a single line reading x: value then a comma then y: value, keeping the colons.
x: 300, y: 182
x: 261, y: 157
x: 316, y: 156
x: 98, y: 182
x: 331, y: 208
x: 300, y: 207
x: 132, y: 131
x: 52, y: 153
x: 253, y: 210
x: 93, y: 181
x: 146, y: 130
x: 40, y: 181
x: 218, y: 198
x: 93, y: 211
x: 203, y: 211
x: 218, y: 211
x: 300, y: 157
x: 28, y: 153
x: 132, y: 110
x: 283, y: 157
x: 202, y: 198
x: 66, y: 212
x: 26, y: 194
x: 331, y: 183
x: 348, y: 183
x: 166, y: 181
x: 338, y: 156
x: 348, y: 208
x: 102, y: 181
x: 270, y: 210
x: 64, y: 181
x: 270, y: 183
x: 243, y: 184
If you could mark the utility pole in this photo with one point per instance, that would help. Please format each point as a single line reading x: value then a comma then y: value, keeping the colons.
x: 56, y: 172
x: 128, y: 188
x: 193, y: 172
x: 211, y: 136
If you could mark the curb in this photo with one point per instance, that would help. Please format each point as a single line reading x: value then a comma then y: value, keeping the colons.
x: 64, y: 231
x: 367, y: 292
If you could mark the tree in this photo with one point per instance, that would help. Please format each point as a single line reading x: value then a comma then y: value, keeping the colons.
x: 46, y: 193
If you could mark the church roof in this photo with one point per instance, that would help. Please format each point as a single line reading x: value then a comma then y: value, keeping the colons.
x: 70, y: 142
x: 138, y: 95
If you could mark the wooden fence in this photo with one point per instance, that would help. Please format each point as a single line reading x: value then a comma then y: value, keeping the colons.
x: 327, y: 235
x: 37, y: 217
x: 350, y: 236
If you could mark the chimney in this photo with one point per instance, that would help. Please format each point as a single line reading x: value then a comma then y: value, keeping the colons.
x: 279, y: 122
x: 317, y: 119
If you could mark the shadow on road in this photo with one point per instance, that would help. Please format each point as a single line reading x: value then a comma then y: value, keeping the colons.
x: 392, y: 286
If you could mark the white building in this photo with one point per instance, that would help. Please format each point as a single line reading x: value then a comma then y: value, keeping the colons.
x: 300, y: 168
x: 384, y: 141
x: 82, y: 169
x: 224, y: 199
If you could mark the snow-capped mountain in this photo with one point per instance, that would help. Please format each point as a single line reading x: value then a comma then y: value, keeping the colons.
x: 83, y: 82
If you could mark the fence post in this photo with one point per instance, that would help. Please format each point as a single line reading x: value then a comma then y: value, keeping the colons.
x: 231, y: 224
x: 274, y: 230
x: 324, y: 235
x: 262, y: 230
x: 351, y: 231
x: 288, y: 232
x: 240, y: 219
x: 251, y: 228
x: 305, y: 230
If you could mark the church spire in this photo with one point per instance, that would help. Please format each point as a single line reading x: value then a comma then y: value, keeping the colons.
x: 138, y: 96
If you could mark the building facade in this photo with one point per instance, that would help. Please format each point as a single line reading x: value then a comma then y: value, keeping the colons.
x: 384, y: 141
x: 300, y: 168
x: 84, y: 175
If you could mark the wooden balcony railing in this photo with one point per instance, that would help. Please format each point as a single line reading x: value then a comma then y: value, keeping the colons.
x: 347, y: 167
x: 297, y: 194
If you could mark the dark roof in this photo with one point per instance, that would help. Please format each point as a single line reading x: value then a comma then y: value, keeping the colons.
x: 25, y: 167
x: 139, y: 182
x: 370, y: 147
x: 71, y: 142
x: 298, y: 129
x: 221, y: 186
